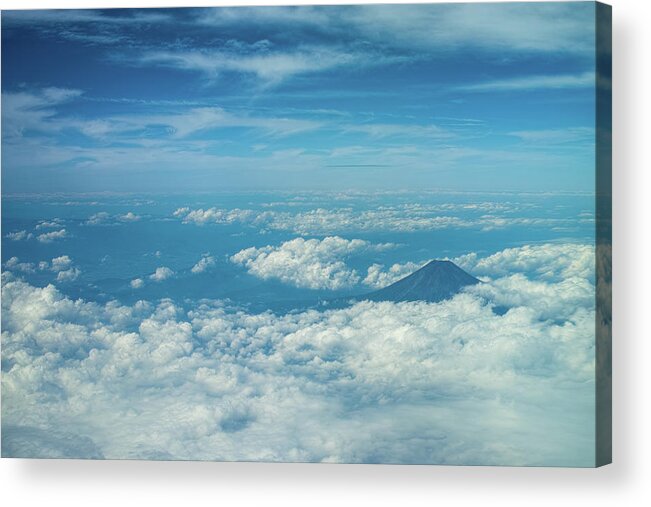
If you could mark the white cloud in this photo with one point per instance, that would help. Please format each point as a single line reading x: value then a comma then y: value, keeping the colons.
x: 22, y: 111
x: 181, y: 212
x: 270, y: 67
x: 68, y: 275
x: 513, y: 28
x: 161, y: 273
x: 35, y: 112
x: 214, y: 215
x: 186, y: 121
x: 311, y: 263
x: 557, y: 136
x: 98, y: 218
x: 62, y: 266
x: 14, y: 264
x: 61, y: 263
x: 189, y: 121
x: 49, y: 237
x: 450, y: 382
x: 137, y: 283
x: 548, y: 301
x: 205, y: 263
x: 548, y: 261
x: 129, y: 217
x: 377, y: 277
x: 13, y: 261
x: 55, y: 223
x: 94, y: 18
x: 382, y: 130
x: 105, y: 218
x: 584, y: 80
x: 19, y: 235
x: 406, y: 218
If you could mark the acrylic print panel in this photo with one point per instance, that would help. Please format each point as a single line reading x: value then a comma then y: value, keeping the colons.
x: 351, y: 234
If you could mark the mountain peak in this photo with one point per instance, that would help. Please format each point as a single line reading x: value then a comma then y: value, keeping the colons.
x: 435, y: 263
x: 435, y: 281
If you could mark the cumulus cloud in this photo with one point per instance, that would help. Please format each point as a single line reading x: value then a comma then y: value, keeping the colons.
x: 19, y: 235
x: 161, y: 273
x: 205, y: 263
x: 68, y: 275
x: 404, y: 218
x: 55, y: 223
x: 214, y: 215
x: 311, y: 263
x: 137, y: 283
x: 64, y: 269
x: 98, y: 218
x: 549, y: 261
x: 62, y: 266
x: 129, y: 217
x: 105, y: 218
x: 451, y: 382
x: 377, y: 277
x: 14, y: 264
x: 49, y: 237
x: 61, y: 263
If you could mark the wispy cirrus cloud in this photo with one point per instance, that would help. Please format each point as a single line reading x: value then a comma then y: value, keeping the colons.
x: 37, y: 111
x: 24, y: 111
x: 93, y: 17
x: 267, y: 77
x: 269, y: 66
x: 509, y: 27
x: 557, y: 136
x: 385, y: 130
x: 527, y: 83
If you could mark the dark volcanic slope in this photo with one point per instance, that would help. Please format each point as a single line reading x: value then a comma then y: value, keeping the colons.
x: 436, y: 281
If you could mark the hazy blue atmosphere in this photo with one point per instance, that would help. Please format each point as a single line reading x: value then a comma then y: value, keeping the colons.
x: 466, y: 97
x: 196, y: 201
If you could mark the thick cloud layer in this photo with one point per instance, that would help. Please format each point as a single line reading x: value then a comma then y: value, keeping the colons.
x: 548, y: 261
x: 450, y: 382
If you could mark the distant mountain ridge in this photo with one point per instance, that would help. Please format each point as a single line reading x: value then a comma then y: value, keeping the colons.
x: 435, y: 281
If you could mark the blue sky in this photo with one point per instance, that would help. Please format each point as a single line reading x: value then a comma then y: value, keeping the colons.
x: 465, y: 97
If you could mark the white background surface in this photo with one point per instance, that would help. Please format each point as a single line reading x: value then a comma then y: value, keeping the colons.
x: 626, y: 482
